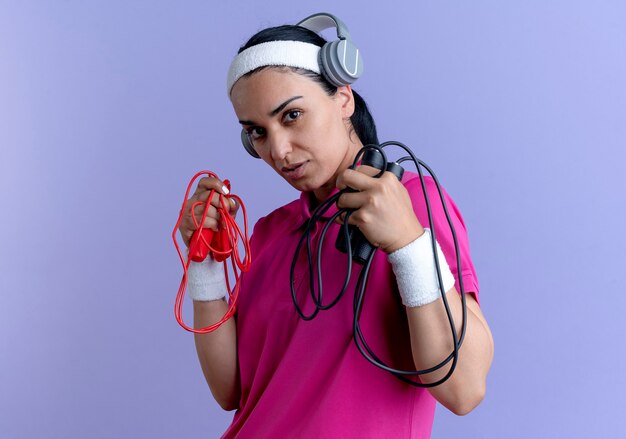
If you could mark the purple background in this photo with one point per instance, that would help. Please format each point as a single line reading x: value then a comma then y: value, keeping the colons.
x: 108, y: 108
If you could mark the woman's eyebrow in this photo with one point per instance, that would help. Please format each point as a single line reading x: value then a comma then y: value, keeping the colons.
x: 274, y: 112
x: 278, y: 109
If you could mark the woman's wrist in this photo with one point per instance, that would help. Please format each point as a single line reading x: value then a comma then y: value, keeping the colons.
x: 416, y: 274
x: 205, y: 280
x: 409, y: 235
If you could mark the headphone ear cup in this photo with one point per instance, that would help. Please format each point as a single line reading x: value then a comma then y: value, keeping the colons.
x: 341, y: 62
x: 247, y: 145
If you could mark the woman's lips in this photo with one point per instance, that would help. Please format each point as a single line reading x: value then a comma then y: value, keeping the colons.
x: 296, y: 171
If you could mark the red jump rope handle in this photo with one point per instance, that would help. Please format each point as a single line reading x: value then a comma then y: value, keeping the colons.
x: 198, y: 250
x: 221, y: 243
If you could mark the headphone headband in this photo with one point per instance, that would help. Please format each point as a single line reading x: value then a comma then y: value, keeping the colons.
x: 319, y: 22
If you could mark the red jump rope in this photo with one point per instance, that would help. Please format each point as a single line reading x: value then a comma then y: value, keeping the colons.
x: 219, y: 245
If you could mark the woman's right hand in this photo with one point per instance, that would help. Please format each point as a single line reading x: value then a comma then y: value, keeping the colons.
x: 212, y: 221
x: 217, y: 350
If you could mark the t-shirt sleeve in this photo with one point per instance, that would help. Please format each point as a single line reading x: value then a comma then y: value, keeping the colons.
x: 443, y: 232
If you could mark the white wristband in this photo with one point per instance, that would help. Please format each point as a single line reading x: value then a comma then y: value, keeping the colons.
x: 416, y: 274
x: 205, y: 280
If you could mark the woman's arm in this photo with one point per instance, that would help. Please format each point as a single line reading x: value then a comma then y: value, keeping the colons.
x: 217, y: 352
x: 431, y: 342
x: 386, y: 217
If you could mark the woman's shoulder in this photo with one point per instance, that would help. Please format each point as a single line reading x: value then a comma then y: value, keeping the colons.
x: 279, y: 219
x: 440, y: 201
x: 411, y: 180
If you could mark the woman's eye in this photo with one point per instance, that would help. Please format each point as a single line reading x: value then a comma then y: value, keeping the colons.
x: 256, y: 133
x: 291, y: 115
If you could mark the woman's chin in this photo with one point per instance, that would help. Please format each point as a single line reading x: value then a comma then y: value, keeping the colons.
x: 302, y: 186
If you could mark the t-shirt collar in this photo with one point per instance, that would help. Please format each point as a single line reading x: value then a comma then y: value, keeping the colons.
x: 306, y: 210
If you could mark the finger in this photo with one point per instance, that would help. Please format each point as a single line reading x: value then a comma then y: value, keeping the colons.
x: 233, y: 205
x: 225, y: 202
x: 217, y: 200
x: 228, y: 203
x: 199, y: 211
x: 208, y: 183
x: 353, y: 200
x: 187, y: 233
x: 368, y: 170
x: 355, y: 179
x: 193, y: 216
x: 341, y: 218
x: 210, y: 222
x: 351, y: 217
x: 204, y: 196
x: 188, y: 227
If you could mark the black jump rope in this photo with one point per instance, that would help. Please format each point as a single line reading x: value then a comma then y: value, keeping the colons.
x: 351, y: 241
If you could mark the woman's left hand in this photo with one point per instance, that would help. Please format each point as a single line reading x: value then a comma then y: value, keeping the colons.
x: 384, y: 213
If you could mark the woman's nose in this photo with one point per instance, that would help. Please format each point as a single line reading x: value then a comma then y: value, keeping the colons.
x: 280, y: 145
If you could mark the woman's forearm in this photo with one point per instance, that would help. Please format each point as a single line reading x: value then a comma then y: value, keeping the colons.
x: 431, y: 342
x: 217, y: 352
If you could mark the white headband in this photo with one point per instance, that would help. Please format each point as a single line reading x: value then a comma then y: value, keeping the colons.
x: 273, y: 53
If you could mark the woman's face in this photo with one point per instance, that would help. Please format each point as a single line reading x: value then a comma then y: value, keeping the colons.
x: 295, y: 127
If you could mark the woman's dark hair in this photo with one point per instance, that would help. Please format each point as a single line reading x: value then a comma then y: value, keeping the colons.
x: 362, y: 120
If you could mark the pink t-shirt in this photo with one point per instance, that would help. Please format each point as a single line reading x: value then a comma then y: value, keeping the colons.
x: 307, y: 379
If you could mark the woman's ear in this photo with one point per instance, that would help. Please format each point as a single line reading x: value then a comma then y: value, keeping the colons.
x: 345, y: 98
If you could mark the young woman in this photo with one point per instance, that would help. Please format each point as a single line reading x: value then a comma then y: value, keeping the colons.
x: 288, y: 377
